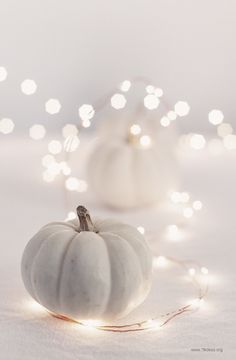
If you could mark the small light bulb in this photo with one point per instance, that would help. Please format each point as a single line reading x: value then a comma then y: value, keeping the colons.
x: 141, y: 229
x: 135, y: 129
x: 145, y: 141
x: 197, y: 205
x: 118, y: 101
x: 151, y: 101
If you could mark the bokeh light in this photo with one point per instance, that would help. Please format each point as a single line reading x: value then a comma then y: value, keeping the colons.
x: 6, y: 126
x: 37, y: 132
x: 28, y: 87
x: 135, y: 129
x: 53, y: 106
x: 71, y: 143
x: 145, y: 141
x: 118, y: 101
x: 230, y: 142
x: 125, y: 85
x: 3, y: 73
x: 215, y: 117
x: 151, y: 102
x: 86, y: 112
x: 224, y: 129
x: 165, y: 121
x: 182, y: 108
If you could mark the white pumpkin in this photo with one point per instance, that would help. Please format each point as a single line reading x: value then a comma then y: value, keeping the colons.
x: 133, y: 170
x: 88, y: 271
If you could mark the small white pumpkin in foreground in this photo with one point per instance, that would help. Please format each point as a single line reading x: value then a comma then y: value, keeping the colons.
x: 84, y: 270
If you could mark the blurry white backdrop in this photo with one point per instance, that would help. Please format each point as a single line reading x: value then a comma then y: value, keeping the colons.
x: 77, y: 50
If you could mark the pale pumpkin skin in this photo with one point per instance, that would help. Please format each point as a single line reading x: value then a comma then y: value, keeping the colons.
x: 102, y: 274
x: 124, y: 175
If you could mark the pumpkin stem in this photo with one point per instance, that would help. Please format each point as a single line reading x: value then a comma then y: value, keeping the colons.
x: 84, y: 219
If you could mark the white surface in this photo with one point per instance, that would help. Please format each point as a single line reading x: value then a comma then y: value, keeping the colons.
x: 75, y: 50
x: 27, y: 203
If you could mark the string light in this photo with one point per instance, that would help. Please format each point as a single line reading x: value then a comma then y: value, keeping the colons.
x: 28, y: 87
x: 118, y: 101
x: 86, y: 112
x: 171, y: 115
x: 125, y: 85
x: 160, y: 261
x: 197, y: 205
x: 52, y: 106
x: 215, y: 147
x: 145, y: 141
x: 182, y: 108
x: 74, y: 184
x: 3, y: 73
x: 156, y: 322
x: 47, y: 160
x: 151, y: 102
x: 135, y: 129
x: 6, y: 126
x: 215, y: 117
x: 37, y: 132
x: 165, y: 121
x: 141, y: 229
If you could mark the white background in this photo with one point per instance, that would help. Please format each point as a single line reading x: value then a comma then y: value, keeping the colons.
x: 76, y: 50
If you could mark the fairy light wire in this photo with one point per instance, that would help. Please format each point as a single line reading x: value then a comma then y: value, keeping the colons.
x: 162, y: 320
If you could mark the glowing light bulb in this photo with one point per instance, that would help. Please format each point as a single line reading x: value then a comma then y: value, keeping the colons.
x: 28, y: 87
x: 91, y: 323
x: 160, y: 261
x: 141, y: 229
x: 125, y: 85
x: 86, y: 112
x: 37, y: 132
x: 52, y: 106
x: 54, y: 147
x: 215, y: 117
x: 165, y: 121
x: 86, y: 123
x: 192, y: 271
x: 197, y: 205
x: 182, y: 108
x: 69, y: 130
x: 3, y: 73
x: 145, y: 141
x: 188, y: 212
x: 171, y: 115
x: 135, y: 129
x: 6, y: 126
x: 118, y: 101
x: 197, y: 141
x: 151, y: 102
x: 204, y: 270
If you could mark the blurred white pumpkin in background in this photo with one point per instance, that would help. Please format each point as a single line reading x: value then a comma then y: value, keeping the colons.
x: 133, y: 163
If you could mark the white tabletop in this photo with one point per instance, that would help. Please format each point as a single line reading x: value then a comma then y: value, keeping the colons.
x: 27, y: 203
